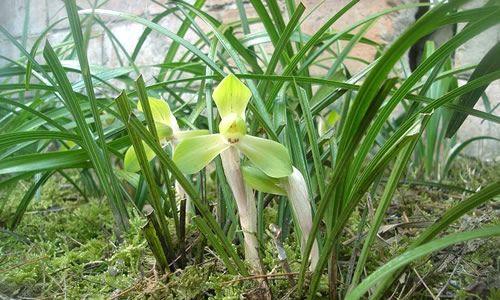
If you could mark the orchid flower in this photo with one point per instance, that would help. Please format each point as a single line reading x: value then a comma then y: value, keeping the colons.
x: 231, y: 98
x: 166, y: 128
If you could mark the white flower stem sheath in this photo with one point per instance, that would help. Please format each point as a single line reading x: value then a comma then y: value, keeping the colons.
x: 296, y: 190
x: 247, y: 209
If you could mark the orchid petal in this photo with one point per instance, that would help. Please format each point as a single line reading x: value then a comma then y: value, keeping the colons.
x: 131, y: 163
x: 231, y: 96
x: 160, y: 111
x: 164, y: 131
x: 259, y: 181
x: 190, y: 133
x: 194, y: 153
x: 269, y: 156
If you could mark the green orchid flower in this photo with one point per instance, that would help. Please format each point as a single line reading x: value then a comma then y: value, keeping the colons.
x: 231, y: 98
x: 166, y: 128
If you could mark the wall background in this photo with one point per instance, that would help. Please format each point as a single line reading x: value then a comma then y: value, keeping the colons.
x: 45, y: 12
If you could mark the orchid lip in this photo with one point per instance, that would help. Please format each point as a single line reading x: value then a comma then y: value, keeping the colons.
x: 233, y: 140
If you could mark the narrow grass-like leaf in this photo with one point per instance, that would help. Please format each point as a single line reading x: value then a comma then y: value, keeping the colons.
x: 107, y: 175
x: 160, y: 30
x: 313, y: 141
x: 90, y: 145
x: 172, y: 50
x: 283, y: 41
x: 154, y: 242
x: 23, y: 204
x: 455, y: 151
x: 14, y: 138
x: 44, y: 161
x: 489, y: 63
x: 163, y: 232
x: 210, y: 236
x: 340, y: 169
x: 392, y: 183
x: 414, y: 254
x: 441, y: 224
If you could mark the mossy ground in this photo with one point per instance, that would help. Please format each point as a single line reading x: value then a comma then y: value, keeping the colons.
x: 65, y: 247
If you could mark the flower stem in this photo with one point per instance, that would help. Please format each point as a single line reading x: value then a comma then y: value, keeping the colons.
x: 246, y: 206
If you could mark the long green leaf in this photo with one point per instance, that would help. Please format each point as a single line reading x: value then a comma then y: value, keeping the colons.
x: 89, y: 144
x: 164, y: 232
x: 458, y: 148
x: 441, y: 224
x: 417, y: 253
x: 489, y: 63
x: 23, y: 204
x: 161, y: 30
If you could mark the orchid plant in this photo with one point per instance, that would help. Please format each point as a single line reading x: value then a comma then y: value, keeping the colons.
x: 271, y: 170
x: 194, y: 153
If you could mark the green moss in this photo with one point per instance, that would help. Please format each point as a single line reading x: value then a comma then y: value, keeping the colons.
x: 65, y: 247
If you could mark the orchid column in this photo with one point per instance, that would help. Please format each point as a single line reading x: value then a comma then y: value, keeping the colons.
x: 192, y: 154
